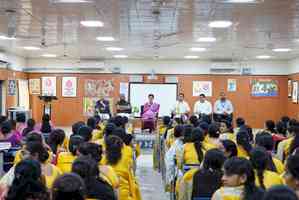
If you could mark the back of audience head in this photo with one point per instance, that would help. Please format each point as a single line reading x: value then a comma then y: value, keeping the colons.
x: 87, y: 168
x: 109, y: 129
x: 285, y: 120
x: 85, y: 132
x: 294, y: 130
x: 34, y: 137
x: 91, y: 149
x: 21, y: 117
x: 69, y: 186
x: 291, y: 175
x: 119, y: 121
x: 76, y: 126
x: 46, y: 126
x: 56, y: 139
x: 213, y: 130
x: 91, y: 122
x: 114, y: 147
x: 208, y: 179
x: 204, y: 126
x: 229, y: 148
x: 119, y: 132
x: 187, y: 133
x: 30, y: 127
x: 281, y: 128
x: 249, y: 131
x: 74, y: 143
x: 194, y: 121
x: 264, y: 139
x: 178, y: 131
x: 197, y: 139
x: 243, y: 140
x: 280, y: 192
x: 27, y: 183
x: 270, y: 126
x: 166, y: 120
x: 37, y: 151
x: 2, y: 119
x: 240, y: 122
x: 259, y: 159
x: 6, y: 128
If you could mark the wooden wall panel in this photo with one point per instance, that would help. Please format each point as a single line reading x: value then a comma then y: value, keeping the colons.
x: 254, y: 110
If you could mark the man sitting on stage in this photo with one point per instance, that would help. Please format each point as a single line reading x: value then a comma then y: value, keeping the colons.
x: 123, y: 106
x: 223, y: 109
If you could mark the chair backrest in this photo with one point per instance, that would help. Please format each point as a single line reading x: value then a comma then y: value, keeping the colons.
x: 8, y: 157
x: 201, y: 198
x: 141, y: 110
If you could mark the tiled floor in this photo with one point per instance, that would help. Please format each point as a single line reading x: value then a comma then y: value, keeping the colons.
x: 149, y: 180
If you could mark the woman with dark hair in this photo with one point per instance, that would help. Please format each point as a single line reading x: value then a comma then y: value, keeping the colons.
x: 69, y: 186
x: 29, y: 128
x: 291, y: 175
x: 238, y: 181
x: 88, y: 170
x: 229, y: 148
x: 194, y: 121
x: 243, y: 144
x: 128, y: 187
x: 27, y: 183
x: 65, y: 159
x: 213, y: 140
x: 270, y: 126
x: 97, y: 133
x: 7, y: 135
x: 265, y: 140
x: 294, y: 143
x: 46, y: 124
x: 95, y: 152
x: 264, y: 178
x: 280, y: 192
x: 203, y: 182
x: 56, y: 140
x: 280, y: 135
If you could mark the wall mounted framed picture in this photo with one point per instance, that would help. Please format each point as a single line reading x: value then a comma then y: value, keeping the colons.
x: 69, y: 86
x: 34, y: 86
x: 264, y: 88
x: 289, y: 88
x: 295, y: 92
x: 48, y: 86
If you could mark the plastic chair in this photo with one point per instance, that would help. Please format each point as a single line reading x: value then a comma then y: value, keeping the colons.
x: 8, y: 157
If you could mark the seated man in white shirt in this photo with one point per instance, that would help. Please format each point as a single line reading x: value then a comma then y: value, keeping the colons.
x: 181, y: 109
x: 202, y: 108
x: 223, y: 109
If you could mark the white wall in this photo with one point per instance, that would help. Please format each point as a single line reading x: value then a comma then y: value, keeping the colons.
x: 294, y: 66
x: 17, y: 63
x: 159, y: 66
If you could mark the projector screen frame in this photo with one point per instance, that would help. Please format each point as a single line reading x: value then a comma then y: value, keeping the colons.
x: 129, y: 94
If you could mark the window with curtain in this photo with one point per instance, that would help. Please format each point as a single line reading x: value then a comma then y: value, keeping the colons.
x: 23, y: 94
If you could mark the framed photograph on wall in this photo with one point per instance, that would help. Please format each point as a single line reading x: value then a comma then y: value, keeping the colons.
x: 264, y: 88
x: 289, y: 88
x: 295, y: 92
x: 69, y: 86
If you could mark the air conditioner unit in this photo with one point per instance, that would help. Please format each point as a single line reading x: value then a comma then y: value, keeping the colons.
x: 3, y: 60
x: 224, y: 68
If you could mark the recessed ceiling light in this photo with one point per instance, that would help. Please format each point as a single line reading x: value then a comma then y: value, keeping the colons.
x: 92, y: 23
x: 206, y: 39
x: 220, y: 24
x: 72, y: 1
x: 2, y: 37
x: 190, y: 57
x: 114, y: 49
x: 263, y: 57
x: 198, y: 49
x: 120, y: 56
x: 282, y: 50
x: 49, y: 55
x: 31, y: 48
x: 105, y: 38
x: 241, y: 1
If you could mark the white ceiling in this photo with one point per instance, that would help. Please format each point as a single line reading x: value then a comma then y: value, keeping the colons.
x: 266, y: 25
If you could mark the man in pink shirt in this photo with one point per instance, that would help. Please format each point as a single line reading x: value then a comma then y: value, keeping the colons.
x: 150, y: 113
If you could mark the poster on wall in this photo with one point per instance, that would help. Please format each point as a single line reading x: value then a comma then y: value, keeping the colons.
x: 12, y: 87
x: 124, y: 89
x: 264, y: 88
x: 289, y: 88
x: 231, y: 85
x: 69, y: 86
x: 97, y: 88
x: 202, y: 87
x: 89, y: 105
x: 34, y: 86
x: 295, y: 92
x: 49, y: 86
